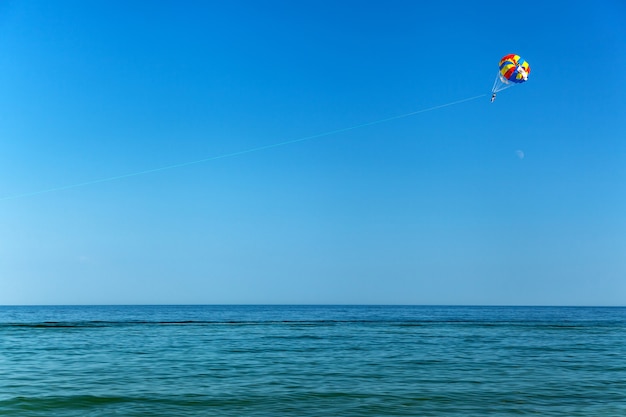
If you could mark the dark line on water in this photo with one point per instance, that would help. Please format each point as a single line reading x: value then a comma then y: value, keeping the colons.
x: 399, y: 323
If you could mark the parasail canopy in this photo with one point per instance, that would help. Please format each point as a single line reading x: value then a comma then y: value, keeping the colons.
x: 513, y: 70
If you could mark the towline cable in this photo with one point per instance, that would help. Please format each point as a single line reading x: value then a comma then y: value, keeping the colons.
x: 237, y: 153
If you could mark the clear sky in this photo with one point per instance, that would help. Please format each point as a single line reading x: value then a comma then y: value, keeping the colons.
x: 522, y: 201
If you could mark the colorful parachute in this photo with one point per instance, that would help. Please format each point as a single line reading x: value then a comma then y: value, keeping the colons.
x: 513, y: 70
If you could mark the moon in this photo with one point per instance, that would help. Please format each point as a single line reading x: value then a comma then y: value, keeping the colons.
x: 520, y: 154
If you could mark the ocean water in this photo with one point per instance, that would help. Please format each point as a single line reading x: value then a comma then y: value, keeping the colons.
x: 312, y: 361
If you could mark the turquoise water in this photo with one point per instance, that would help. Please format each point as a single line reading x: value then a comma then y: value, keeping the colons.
x: 312, y: 361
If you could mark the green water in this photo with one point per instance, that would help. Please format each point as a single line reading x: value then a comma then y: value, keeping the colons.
x: 312, y: 361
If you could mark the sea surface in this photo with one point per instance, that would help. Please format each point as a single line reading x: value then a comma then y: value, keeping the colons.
x: 312, y: 361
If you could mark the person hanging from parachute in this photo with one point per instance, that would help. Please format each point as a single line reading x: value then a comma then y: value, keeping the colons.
x: 513, y: 70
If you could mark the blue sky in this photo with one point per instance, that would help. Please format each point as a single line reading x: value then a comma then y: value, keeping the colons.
x: 522, y: 201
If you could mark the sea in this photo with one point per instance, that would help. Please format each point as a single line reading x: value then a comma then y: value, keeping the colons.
x: 280, y: 360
